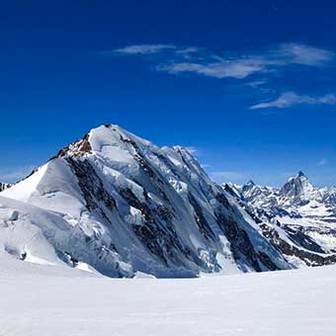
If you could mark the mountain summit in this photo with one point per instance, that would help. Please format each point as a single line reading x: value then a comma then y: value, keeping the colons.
x: 115, y: 203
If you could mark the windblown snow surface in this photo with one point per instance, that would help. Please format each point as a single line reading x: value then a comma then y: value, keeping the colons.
x: 44, y: 300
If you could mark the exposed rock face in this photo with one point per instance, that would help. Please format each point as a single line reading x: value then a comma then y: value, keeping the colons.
x: 4, y: 186
x: 298, y: 218
x: 124, y: 205
x: 78, y: 148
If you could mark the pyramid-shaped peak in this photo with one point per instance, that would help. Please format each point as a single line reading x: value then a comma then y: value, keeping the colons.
x: 250, y: 183
x: 300, y: 176
x: 297, y: 186
x: 248, y: 186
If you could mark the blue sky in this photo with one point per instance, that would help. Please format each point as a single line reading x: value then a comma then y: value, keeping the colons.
x: 249, y: 85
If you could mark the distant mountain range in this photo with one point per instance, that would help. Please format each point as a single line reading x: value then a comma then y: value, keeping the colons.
x: 114, y: 203
x: 298, y: 218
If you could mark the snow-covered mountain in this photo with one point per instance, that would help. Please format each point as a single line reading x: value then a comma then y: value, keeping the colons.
x: 116, y: 203
x: 298, y: 218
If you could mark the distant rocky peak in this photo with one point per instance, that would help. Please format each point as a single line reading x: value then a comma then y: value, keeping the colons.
x: 250, y: 182
x: 297, y: 186
x: 248, y: 186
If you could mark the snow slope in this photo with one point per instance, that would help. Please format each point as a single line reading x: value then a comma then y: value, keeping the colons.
x: 292, y: 303
x: 122, y: 205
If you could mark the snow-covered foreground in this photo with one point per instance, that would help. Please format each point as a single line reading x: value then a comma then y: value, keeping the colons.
x: 300, y: 302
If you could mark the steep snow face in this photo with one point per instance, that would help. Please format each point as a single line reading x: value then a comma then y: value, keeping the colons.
x: 299, y: 218
x: 34, y: 235
x: 124, y: 205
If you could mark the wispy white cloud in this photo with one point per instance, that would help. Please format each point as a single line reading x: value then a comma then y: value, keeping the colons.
x: 240, y: 68
x: 257, y: 83
x: 289, y: 99
x: 144, y: 49
x: 224, y: 69
x: 176, y: 60
x: 304, y: 54
x: 186, y: 51
x: 256, y: 65
x: 323, y: 162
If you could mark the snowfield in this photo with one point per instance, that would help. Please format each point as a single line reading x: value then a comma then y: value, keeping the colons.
x: 54, y: 301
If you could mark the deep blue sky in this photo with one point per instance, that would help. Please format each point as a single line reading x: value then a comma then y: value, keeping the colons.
x: 250, y: 85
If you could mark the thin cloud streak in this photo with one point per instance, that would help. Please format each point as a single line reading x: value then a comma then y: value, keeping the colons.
x: 289, y: 99
x: 150, y: 49
x: 238, y: 69
x: 323, y: 162
x: 305, y: 55
x: 176, y: 60
x: 145, y: 49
